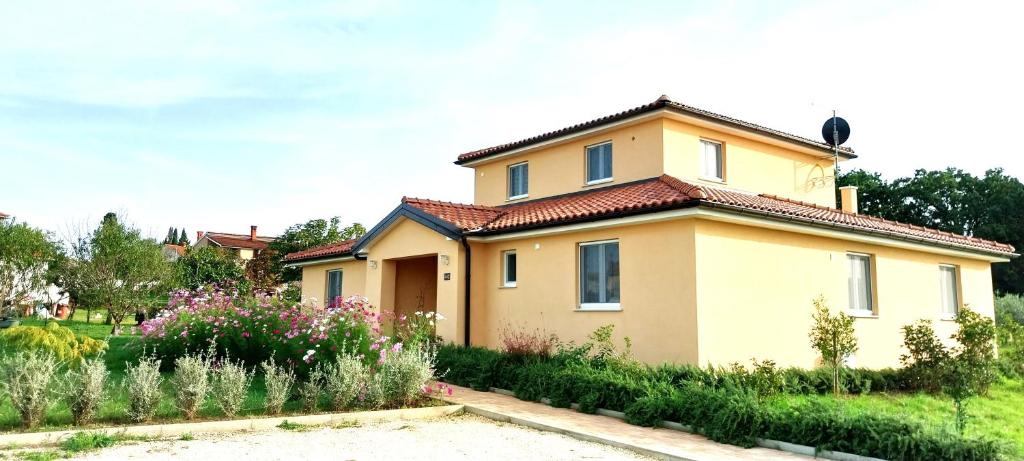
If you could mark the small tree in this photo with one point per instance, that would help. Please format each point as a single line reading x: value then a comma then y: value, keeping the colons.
x: 259, y: 271
x: 183, y: 238
x: 24, y: 255
x: 833, y: 337
x: 205, y: 266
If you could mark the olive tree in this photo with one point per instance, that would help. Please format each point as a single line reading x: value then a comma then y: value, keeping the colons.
x: 833, y: 336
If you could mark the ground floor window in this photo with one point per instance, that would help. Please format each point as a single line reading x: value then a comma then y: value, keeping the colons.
x: 508, y: 259
x: 950, y: 290
x: 599, y: 275
x: 860, y: 284
x: 333, y: 287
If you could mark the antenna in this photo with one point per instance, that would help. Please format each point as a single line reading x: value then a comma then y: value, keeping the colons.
x: 835, y: 131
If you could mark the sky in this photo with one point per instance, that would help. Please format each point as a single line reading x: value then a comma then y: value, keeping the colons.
x: 216, y: 116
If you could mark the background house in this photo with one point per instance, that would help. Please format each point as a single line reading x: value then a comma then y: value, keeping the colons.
x: 245, y: 247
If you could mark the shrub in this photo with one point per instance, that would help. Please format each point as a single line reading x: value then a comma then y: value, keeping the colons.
x: 403, y: 375
x: 230, y: 384
x: 28, y: 379
x: 1011, y: 349
x: 833, y: 337
x: 253, y: 329
x: 346, y: 381
x: 522, y: 342
x: 191, y: 382
x: 309, y: 391
x: 926, y: 358
x: 142, y: 381
x: 60, y: 341
x: 86, y: 389
x: 418, y: 329
x: 279, y: 382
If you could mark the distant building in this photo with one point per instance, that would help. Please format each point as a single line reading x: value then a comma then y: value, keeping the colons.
x: 4, y: 216
x: 173, y: 252
x: 245, y: 247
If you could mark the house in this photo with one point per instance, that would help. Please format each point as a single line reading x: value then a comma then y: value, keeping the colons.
x: 701, y: 237
x: 245, y: 247
x: 4, y: 216
x: 173, y: 252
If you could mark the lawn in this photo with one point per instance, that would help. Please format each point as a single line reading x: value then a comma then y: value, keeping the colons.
x: 999, y: 415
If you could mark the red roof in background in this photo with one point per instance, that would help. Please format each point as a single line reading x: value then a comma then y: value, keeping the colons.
x: 4, y: 215
x: 180, y: 249
x: 332, y: 249
x: 661, y: 103
x: 666, y: 192
x: 238, y: 240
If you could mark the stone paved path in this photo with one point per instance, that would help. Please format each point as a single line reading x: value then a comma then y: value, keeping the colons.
x: 656, y: 442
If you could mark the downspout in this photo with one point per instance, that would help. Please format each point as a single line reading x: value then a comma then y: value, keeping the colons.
x: 469, y: 259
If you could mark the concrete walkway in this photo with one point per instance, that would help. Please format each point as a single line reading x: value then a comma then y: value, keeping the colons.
x: 655, y: 442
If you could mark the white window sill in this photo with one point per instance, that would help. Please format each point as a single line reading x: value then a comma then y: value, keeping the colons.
x: 599, y: 307
x: 598, y: 181
x: 714, y: 180
x: 508, y: 285
x: 947, y: 318
x: 862, y: 314
x: 517, y: 197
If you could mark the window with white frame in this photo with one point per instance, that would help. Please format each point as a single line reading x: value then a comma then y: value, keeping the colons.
x: 518, y: 180
x: 599, y: 275
x: 508, y: 270
x: 599, y: 163
x: 860, y: 284
x: 333, y: 287
x: 711, y: 165
x: 950, y: 290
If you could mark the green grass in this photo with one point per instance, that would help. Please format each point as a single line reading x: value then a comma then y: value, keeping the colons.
x: 999, y: 415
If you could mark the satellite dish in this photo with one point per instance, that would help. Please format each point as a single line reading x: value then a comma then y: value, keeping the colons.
x: 835, y: 131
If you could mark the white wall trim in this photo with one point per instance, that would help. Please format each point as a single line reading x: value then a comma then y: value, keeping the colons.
x: 736, y: 218
x: 320, y: 261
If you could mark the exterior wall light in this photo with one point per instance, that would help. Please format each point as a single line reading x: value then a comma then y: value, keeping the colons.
x: 444, y: 259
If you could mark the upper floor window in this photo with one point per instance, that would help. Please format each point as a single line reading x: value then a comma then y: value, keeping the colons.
x: 860, y: 284
x: 333, y: 287
x: 711, y: 165
x: 599, y: 163
x: 518, y: 180
x: 508, y: 262
x: 950, y: 290
x: 599, y: 275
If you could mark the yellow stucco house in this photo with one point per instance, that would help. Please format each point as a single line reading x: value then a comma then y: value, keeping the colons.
x: 702, y: 237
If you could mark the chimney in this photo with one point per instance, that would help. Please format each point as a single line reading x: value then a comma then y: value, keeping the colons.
x: 848, y: 199
x: 252, y: 232
x: 199, y: 235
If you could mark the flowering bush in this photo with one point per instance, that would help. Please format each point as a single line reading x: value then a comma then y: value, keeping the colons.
x: 418, y: 329
x: 254, y: 329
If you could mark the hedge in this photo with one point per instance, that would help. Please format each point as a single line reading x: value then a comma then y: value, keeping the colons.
x: 716, y: 403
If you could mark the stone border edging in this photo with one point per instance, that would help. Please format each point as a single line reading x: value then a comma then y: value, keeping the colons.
x: 763, y: 443
x: 37, y: 439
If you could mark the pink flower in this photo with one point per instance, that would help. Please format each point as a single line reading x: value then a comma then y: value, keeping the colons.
x: 245, y: 334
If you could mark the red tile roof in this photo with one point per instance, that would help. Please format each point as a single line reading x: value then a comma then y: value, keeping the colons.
x: 179, y: 249
x: 238, y: 240
x: 4, y: 215
x: 666, y: 192
x: 661, y: 103
x: 333, y: 249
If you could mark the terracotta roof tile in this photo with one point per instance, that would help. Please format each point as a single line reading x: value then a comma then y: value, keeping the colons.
x: 666, y: 192
x: 466, y: 217
x: 333, y: 249
x: 661, y: 103
x: 238, y: 240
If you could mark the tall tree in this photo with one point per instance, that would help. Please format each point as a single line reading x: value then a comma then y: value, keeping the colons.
x: 174, y: 236
x: 125, y: 271
x: 170, y: 235
x: 312, y: 233
x: 183, y: 238
x: 25, y: 253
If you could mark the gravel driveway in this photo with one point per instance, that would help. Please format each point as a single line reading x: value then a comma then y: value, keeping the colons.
x: 463, y: 437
